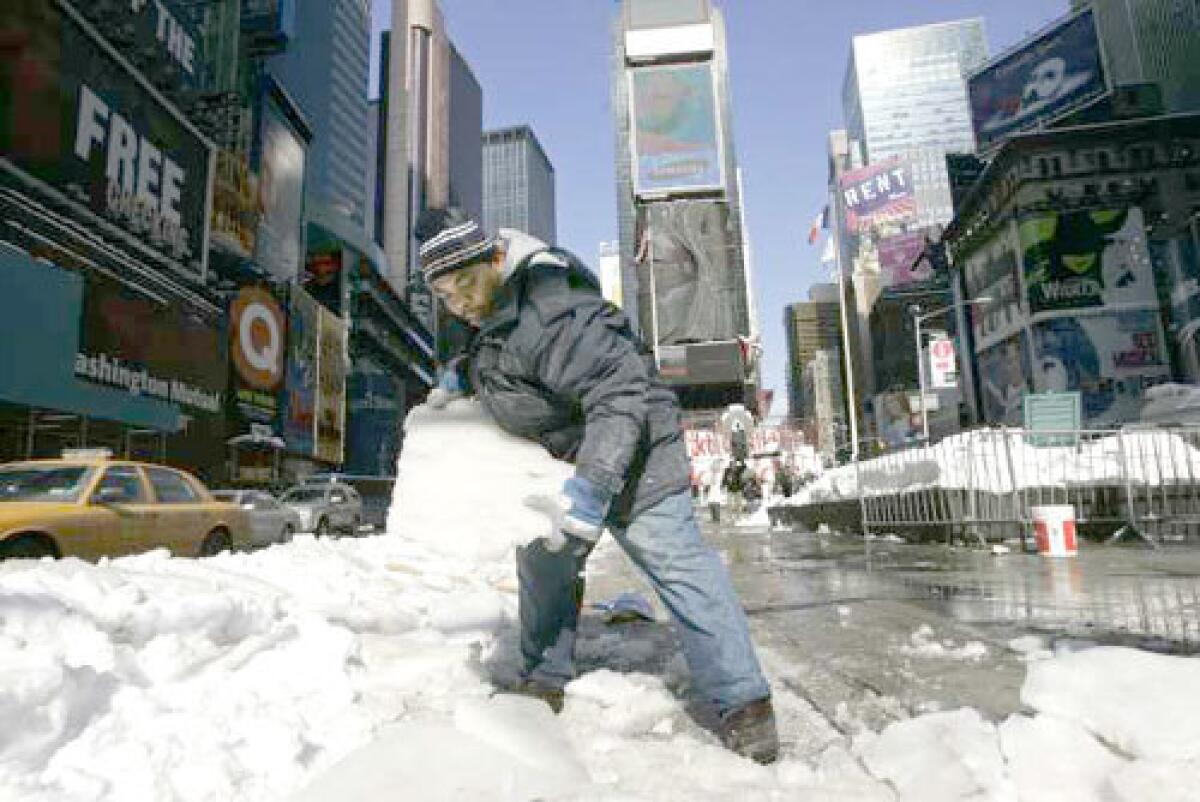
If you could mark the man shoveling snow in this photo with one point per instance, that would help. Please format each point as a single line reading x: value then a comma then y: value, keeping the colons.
x: 552, y: 362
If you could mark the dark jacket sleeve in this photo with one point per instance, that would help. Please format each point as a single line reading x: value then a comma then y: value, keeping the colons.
x: 586, y: 355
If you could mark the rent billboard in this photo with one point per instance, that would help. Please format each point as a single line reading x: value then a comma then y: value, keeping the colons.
x: 1054, y: 74
x: 877, y: 194
x: 1084, y: 259
x: 74, y: 116
x: 676, y: 132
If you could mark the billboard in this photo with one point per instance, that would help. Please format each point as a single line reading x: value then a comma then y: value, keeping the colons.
x: 1005, y: 377
x: 331, y: 386
x: 300, y: 378
x: 900, y: 262
x: 676, y: 135
x: 280, y: 235
x: 1109, y: 358
x: 373, y: 422
x: 692, y: 286
x: 897, y: 417
x: 258, y: 347
x: 75, y: 117
x: 132, y: 343
x: 1059, y: 71
x: 994, y: 272
x: 877, y: 194
x: 1084, y: 259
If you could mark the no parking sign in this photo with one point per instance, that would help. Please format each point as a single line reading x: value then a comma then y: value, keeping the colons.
x: 943, y: 366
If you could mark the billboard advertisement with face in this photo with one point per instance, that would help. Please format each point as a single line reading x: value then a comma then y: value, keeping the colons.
x: 676, y: 131
x: 1052, y: 75
x: 698, y: 290
x: 1084, y: 259
x: 280, y: 235
x: 877, y: 194
x: 1005, y: 378
x: 1109, y: 358
x: 75, y: 118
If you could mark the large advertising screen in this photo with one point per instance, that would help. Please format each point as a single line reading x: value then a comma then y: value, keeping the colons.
x: 1110, y: 358
x: 258, y: 350
x: 1057, y: 72
x: 280, y: 236
x: 676, y: 136
x: 1084, y: 259
x: 133, y: 343
x: 331, y: 387
x: 698, y: 291
x: 300, y: 379
x: 900, y: 262
x: 74, y: 117
x: 876, y: 194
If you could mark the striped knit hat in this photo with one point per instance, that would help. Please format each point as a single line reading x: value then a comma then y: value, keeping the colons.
x: 450, y: 240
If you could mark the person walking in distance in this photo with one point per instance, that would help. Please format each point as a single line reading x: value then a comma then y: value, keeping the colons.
x: 552, y: 361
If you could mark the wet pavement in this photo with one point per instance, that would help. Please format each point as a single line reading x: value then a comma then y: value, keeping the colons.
x: 867, y: 633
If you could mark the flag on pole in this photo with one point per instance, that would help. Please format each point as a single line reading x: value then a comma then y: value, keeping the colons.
x: 819, y: 224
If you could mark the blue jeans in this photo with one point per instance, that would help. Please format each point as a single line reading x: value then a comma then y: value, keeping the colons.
x: 665, y: 542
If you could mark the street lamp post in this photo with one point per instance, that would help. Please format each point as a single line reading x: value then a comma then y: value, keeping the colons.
x: 918, y: 319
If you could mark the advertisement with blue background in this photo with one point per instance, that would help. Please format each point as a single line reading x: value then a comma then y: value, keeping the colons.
x: 373, y: 422
x: 676, y: 137
x: 1054, y: 74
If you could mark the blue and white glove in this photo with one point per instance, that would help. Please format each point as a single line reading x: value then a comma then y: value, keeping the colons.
x: 452, y: 384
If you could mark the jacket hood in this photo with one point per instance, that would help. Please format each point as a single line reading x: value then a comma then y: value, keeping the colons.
x: 518, y: 246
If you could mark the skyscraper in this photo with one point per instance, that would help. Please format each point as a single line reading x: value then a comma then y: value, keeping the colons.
x: 905, y: 97
x: 518, y: 183
x: 1152, y: 41
x: 812, y: 326
x: 678, y: 200
x: 324, y: 69
x: 466, y: 127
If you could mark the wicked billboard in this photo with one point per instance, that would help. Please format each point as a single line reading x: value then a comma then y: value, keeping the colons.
x: 75, y: 116
x: 147, y: 349
x: 1082, y: 259
x: 1055, y: 73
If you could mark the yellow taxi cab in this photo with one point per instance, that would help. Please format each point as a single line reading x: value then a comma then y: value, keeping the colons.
x: 89, y: 505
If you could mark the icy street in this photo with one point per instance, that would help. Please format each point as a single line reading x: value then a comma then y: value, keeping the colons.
x: 363, y: 668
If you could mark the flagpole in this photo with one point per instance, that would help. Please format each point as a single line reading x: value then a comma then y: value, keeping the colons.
x: 851, y: 402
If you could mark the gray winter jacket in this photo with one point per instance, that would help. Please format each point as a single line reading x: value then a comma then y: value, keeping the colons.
x: 558, y: 364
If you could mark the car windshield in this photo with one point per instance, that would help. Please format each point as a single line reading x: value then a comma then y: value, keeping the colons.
x: 42, y: 483
x: 305, y: 494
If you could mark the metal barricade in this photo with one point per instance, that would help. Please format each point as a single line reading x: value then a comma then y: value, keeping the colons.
x: 983, y: 485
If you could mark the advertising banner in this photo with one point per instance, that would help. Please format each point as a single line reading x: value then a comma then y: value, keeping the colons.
x: 258, y: 345
x: 300, y: 380
x: 994, y: 272
x: 943, y: 364
x: 1110, y: 358
x: 235, y: 214
x: 1052, y: 75
x: 132, y: 343
x: 900, y: 262
x: 1083, y: 259
x: 676, y: 132
x: 160, y: 30
x: 331, y: 386
x: 280, y: 236
x: 698, y: 290
x: 897, y: 418
x: 323, y: 268
x: 373, y: 422
x: 1005, y: 377
x: 75, y: 118
x: 878, y: 193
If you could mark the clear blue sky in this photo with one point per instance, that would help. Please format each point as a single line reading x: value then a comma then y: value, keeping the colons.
x: 547, y: 63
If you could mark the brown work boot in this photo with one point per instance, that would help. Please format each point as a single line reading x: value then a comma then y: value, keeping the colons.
x: 536, y: 690
x: 749, y: 730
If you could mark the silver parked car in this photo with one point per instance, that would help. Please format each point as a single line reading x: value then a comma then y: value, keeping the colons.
x: 326, y: 507
x: 269, y: 521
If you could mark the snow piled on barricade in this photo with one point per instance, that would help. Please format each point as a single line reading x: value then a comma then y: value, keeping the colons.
x: 361, y: 669
x: 993, y: 460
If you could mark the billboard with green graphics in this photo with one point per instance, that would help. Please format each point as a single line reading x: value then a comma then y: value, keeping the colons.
x: 1085, y: 259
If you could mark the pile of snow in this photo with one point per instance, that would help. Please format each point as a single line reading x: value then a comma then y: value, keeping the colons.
x: 362, y: 669
x: 924, y: 643
x: 1172, y: 404
x: 1001, y: 461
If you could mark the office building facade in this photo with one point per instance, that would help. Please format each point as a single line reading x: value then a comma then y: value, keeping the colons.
x: 518, y: 184
x: 811, y: 326
x: 683, y: 254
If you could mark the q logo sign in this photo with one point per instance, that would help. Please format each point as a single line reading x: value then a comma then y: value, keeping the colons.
x: 258, y: 338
